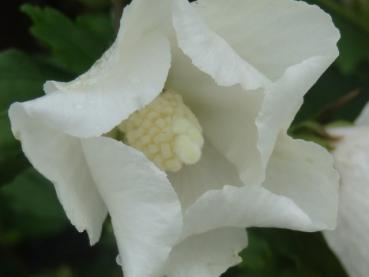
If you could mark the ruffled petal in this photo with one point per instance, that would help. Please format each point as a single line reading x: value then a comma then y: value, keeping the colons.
x: 282, y: 101
x: 123, y: 81
x: 127, y: 77
x: 244, y: 125
x: 272, y: 35
x: 350, y: 239
x: 207, y: 255
x: 247, y: 206
x: 210, y: 52
x: 143, y: 206
x: 250, y: 120
x: 304, y: 172
x: 60, y: 159
x: 301, y: 193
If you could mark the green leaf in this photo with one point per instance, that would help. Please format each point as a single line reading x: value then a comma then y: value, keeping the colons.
x: 353, y: 46
x: 75, y: 45
x: 100, y: 29
x: 33, y: 201
x: 21, y: 78
x: 282, y: 253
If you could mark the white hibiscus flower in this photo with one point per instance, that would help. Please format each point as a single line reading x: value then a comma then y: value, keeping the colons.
x: 197, y: 98
x: 350, y: 239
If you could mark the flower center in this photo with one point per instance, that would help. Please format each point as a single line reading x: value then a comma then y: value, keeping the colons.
x: 166, y: 131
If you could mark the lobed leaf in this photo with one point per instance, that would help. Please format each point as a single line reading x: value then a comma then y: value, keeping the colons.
x: 75, y: 45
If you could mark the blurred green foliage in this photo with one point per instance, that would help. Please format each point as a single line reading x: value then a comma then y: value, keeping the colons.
x: 38, y: 215
x: 284, y: 253
x: 74, y: 45
x: 36, y: 239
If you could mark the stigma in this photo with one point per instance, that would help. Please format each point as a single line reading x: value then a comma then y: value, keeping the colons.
x: 166, y: 131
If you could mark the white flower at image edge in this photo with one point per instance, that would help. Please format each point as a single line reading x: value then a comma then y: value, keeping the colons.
x: 238, y: 70
x: 350, y: 239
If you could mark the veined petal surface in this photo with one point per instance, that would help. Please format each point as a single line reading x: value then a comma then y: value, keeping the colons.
x: 126, y: 78
x: 59, y: 157
x: 210, y: 52
x: 117, y: 85
x: 144, y: 208
x: 271, y: 35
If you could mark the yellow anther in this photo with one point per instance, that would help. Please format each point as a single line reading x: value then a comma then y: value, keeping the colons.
x: 187, y: 149
x: 166, y: 131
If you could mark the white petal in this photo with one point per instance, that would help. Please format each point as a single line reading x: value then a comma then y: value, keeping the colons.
x: 207, y: 255
x: 300, y: 193
x: 363, y: 119
x: 282, y: 101
x: 226, y: 114
x: 247, y: 206
x: 128, y: 76
x: 350, y: 239
x: 341, y: 132
x: 60, y: 159
x: 213, y: 171
x: 122, y: 82
x: 144, y: 208
x: 304, y: 172
x: 210, y: 52
x: 244, y: 125
x: 136, y: 22
x: 272, y: 35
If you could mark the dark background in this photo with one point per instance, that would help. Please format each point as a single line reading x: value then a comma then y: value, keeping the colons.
x: 14, y: 25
